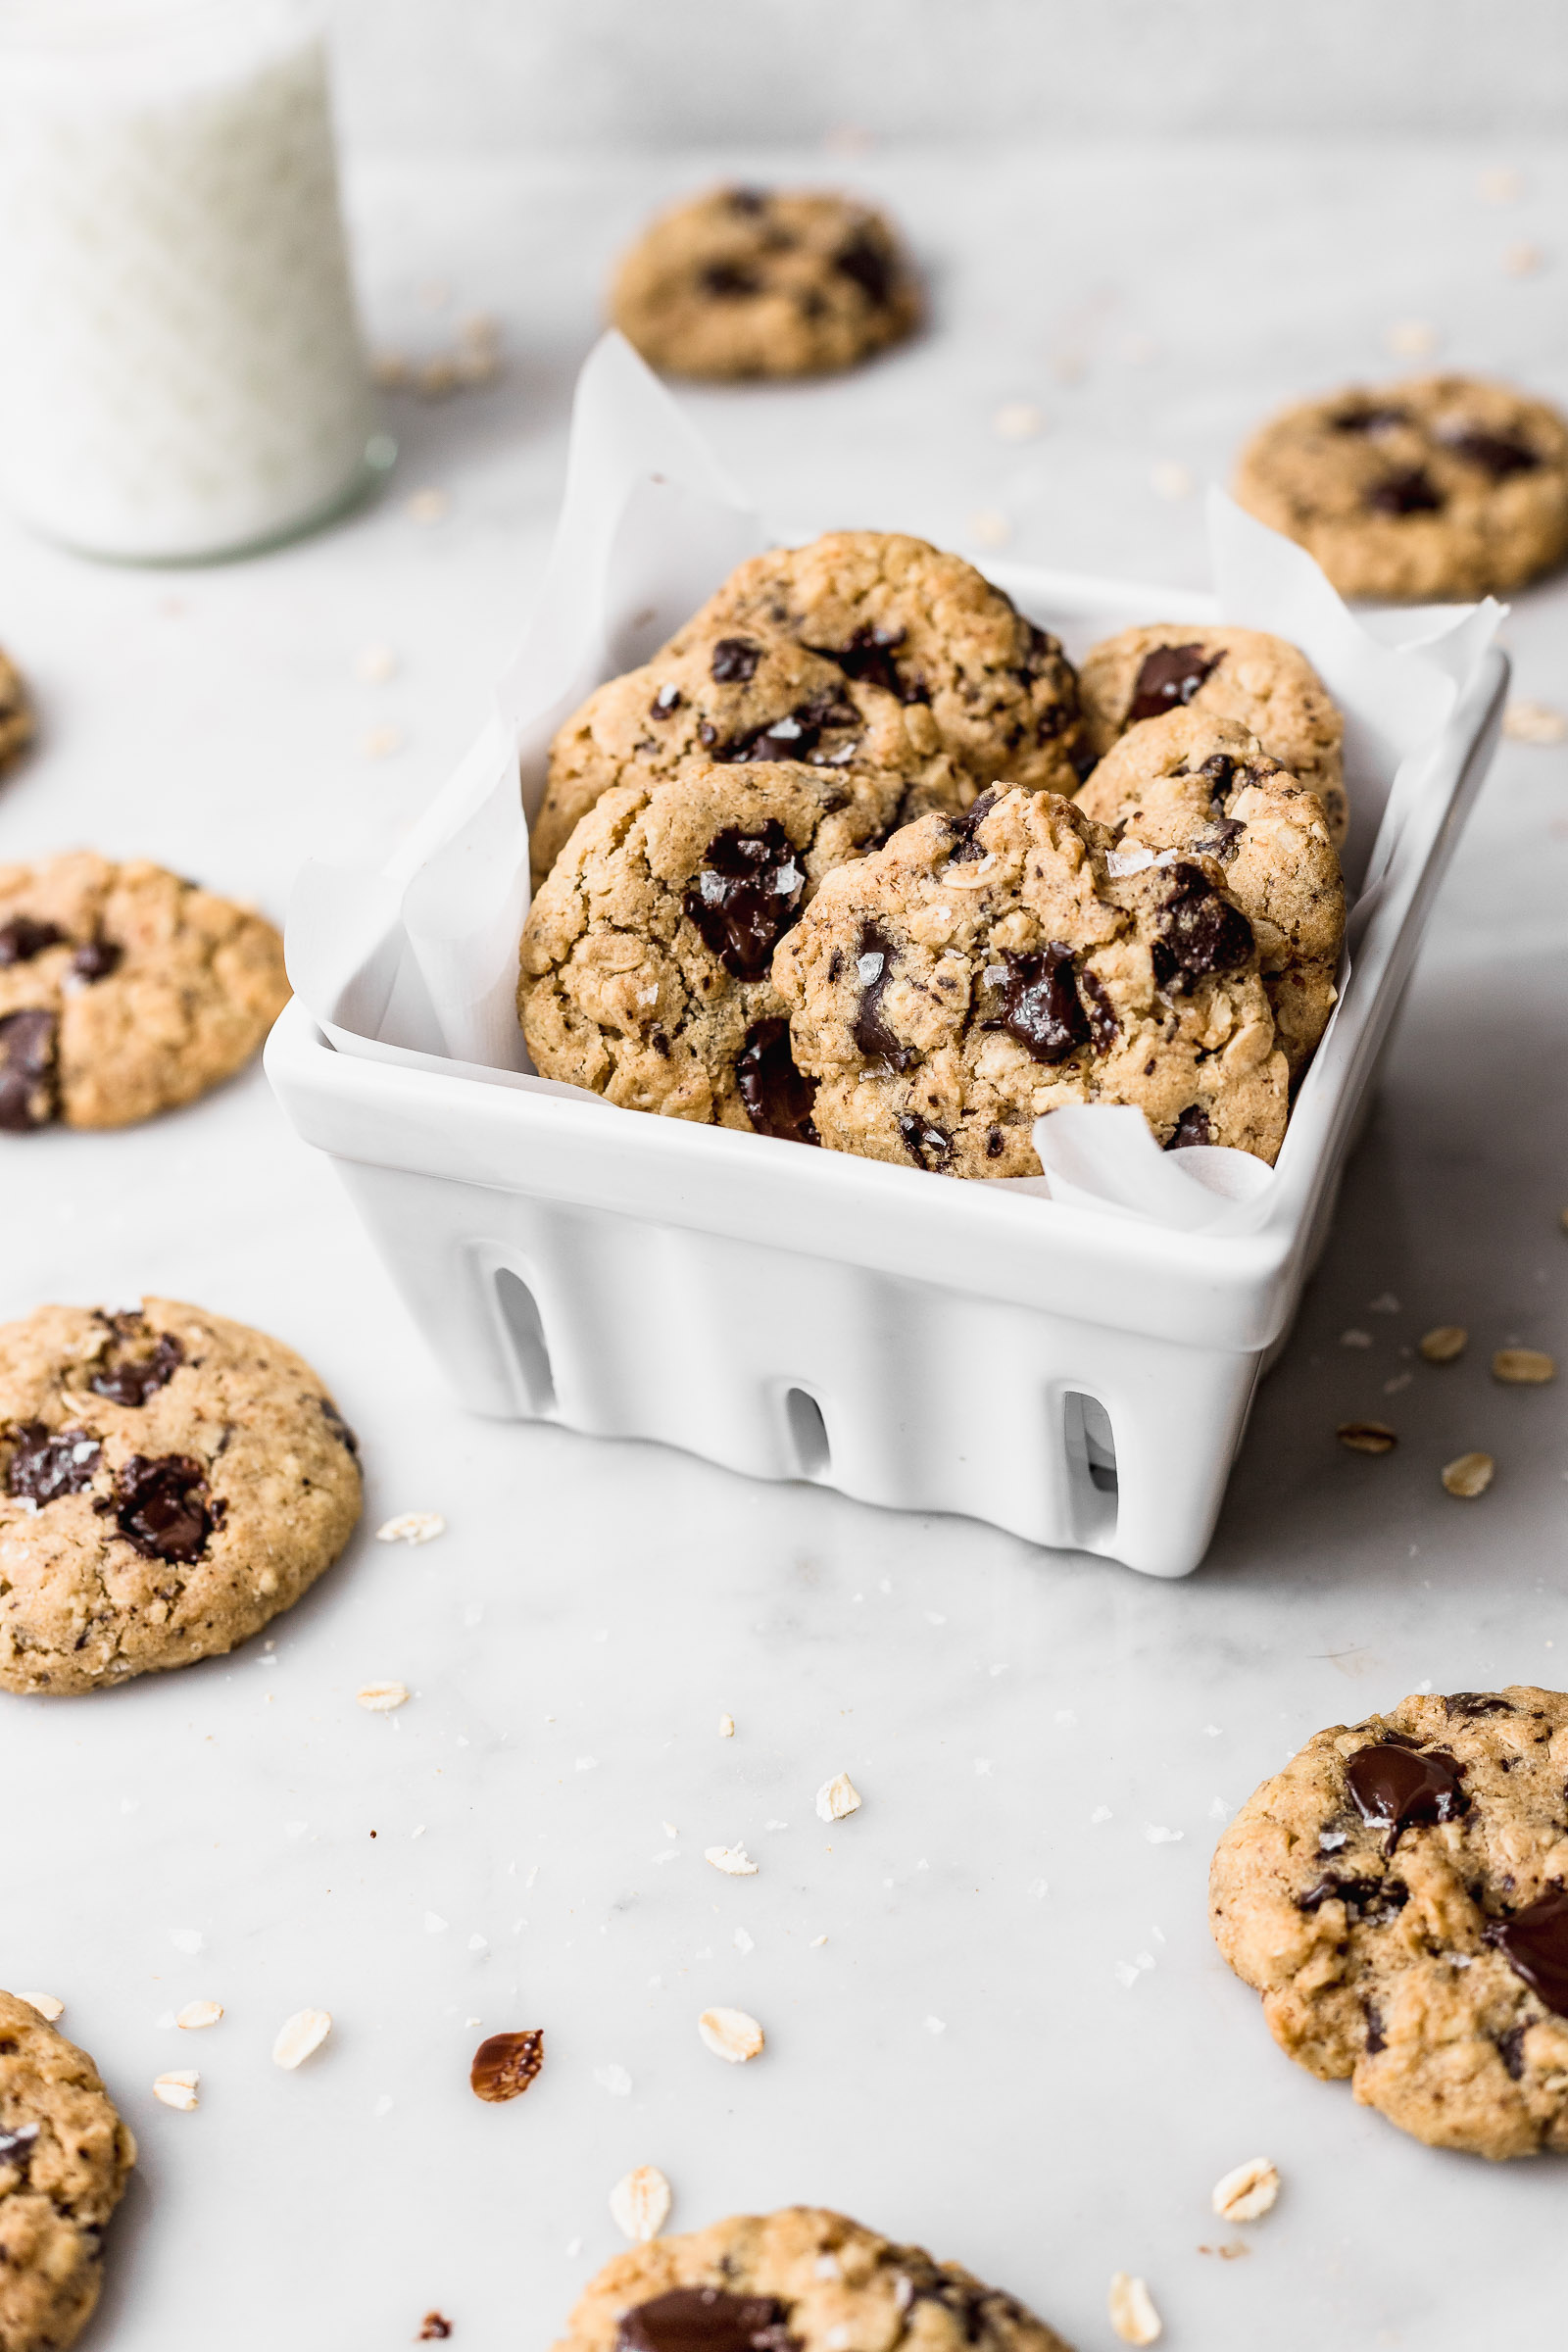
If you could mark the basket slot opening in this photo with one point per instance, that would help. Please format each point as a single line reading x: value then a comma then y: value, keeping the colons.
x: 814, y: 1456
x: 1091, y: 1447
x: 524, y: 1328
x: 1099, y: 1445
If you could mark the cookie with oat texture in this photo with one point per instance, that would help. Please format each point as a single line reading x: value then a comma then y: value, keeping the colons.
x: 65, y: 2159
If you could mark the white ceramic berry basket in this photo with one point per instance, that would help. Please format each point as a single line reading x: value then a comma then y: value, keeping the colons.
x: 1078, y: 1369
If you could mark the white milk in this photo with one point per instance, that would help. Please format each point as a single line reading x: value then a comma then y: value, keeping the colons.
x: 182, y: 373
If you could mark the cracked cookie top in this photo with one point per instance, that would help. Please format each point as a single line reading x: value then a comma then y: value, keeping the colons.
x: 64, y: 2158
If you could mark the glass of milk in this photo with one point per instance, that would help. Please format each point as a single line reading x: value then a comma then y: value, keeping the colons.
x: 182, y: 373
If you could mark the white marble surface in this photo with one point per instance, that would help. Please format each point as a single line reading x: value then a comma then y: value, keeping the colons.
x: 1016, y: 1720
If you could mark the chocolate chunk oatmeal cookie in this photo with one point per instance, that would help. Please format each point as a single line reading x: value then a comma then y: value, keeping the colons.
x: 1446, y: 486
x: 124, y: 990
x: 1196, y: 784
x: 168, y: 1483
x: 799, y: 2280
x: 64, y: 2158
x: 16, y: 715
x: 978, y: 971
x: 1256, y: 681
x: 750, y: 282
x: 1398, y: 1895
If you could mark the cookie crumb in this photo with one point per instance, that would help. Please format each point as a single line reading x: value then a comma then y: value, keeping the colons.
x: 837, y: 1799
x: 1132, y: 2310
x: 1534, y: 722
x: 1444, y: 1344
x: 1232, y: 2250
x: 1469, y: 1475
x: 640, y: 2203
x: 727, y: 1727
x: 1248, y: 2192
x: 197, y: 2014
x: 299, y: 2036
x: 1523, y: 1367
x: 1367, y: 1437
x: 433, y: 2329
x: 818, y: 1942
x: 410, y: 1526
x: 733, y: 1860
x: 379, y: 1698
x: 178, y: 2090
x: 45, y: 2004
x: 730, y: 2035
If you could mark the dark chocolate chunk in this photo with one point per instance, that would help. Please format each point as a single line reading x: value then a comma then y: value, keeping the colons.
x: 1221, y: 839
x: 1412, y: 492
x: 1220, y: 769
x: 1083, y: 762
x: 1511, y: 2049
x: 506, y: 2064
x: 27, y: 1072
x: 868, y: 655
x: 1374, y: 2029
x: 1098, y: 1012
x: 734, y: 661
x: 96, y: 959
x: 873, y: 964
x: 747, y: 896
x: 1376, y: 1900
x: 1535, y: 1943
x: 338, y: 1426
x: 16, y: 2147
x: 863, y: 261
x: 666, y: 703
x: 1169, y: 677
x: 966, y: 849
x: 778, y: 1096
x: 141, y: 1377
x: 795, y: 736
x: 728, y: 281
x: 1200, y: 931
x: 1471, y: 1704
x: 994, y: 1142
x: 22, y: 939
x: 704, y: 2318
x: 1497, y: 454
x: 1368, y: 418
x: 927, y: 1145
x: 1040, y: 1004
x: 1395, y: 1786
x: 433, y: 2329
x: 1191, y: 1128
x: 44, y: 1464
x: 161, y: 1507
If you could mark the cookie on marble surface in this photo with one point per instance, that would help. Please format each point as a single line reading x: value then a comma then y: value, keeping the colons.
x: 646, y: 957
x: 64, y: 2158
x: 15, y: 713
x: 124, y: 990
x: 1196, y: 784
x: 979, y: 971
x: 169, y: 1482
x: 762, y: 282
x: 798, y: 2280
x: 732, y: 696
x: 1446, y: 486
x: 1397, y: 1896
x: 1258, y: 682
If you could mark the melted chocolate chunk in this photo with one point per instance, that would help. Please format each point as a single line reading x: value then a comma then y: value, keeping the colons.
x: 1496, y: 454
x: 1100, y: 1013
x: 778, y: 1096
x: 747, y: 896
x: 795, y: 736
x: 1220, y: 769
x: 97, y: 959
x: 735, y: 661
x: 338, y: 1426
x: 666, y: 703
x: 928, y: 1145
x: 133, y: 1382
x: 1393, y: 1785
x: 1169, y: 677
x: 506, y: 2064
x: 873, y: 964
x: 863, y: 261
x: 161, y: 1507
x: 728, y: 281
x: 868, y: 656
x: 1511, y: 2049
x: 1470, y: 1703
x: 1369, y: 420
x: 22, y: 939
x: 1083, y: 762
x: 1411, y: 493
x: 27, y: 1072
x: 1374, y: 2029
x: 16, y: 2147
x: 1041, y: 1006
x: 1534, y: 1945
x: 704, y: 2318
x: 1191, y: 1128
x: 966, y: 849
x: 1220, y: 840
x: 1375, y: 1899
x: 44, y: 1465
x: 1200, y: 932
x: 994, y: 1142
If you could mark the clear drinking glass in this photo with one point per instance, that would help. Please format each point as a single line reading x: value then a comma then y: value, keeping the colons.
x: 183, y: 375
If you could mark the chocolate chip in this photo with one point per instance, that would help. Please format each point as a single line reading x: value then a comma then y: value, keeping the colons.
x: 16, y: 2147
x: 927, y: 1145
x: 96, y: 959
x: 966, y: 849
x: 1199, y: 932
x: 1040, y: 1004
x: 795, y: 736
x: 161, y: 1507
x: 1374, y: 1900
x: 1511, y: 2049
x: 506, y: 2064
x: 861, y: 260
x: 1191, y: 1128
x: 22, y: 939
x: 1470, y: 1703
x: 1098, y: 1012
x: 747, y: 895
x: 433, y: 2329
x: 778, y: 1096
x: 1219, y: 770
x: 1534, y: 1945
x: 746, y: 200
x: 873, y: 963
x: 141, y: 1377
x: 666, y: 703
x: 735, y: 661
x: 1083, y: 762
x: 1374, y: 2029
x: 728, y: 281
x: 868, y: 656
x: 994, y: 1142
x: 1395, y: 1787
x: 1366, y: 418
x: 44, y: 1465
x: 1169, y: 677
x: 706, y: 2319
x: 1220, y: 840
x: 27, y: 1072
x: 1497, y: 454
x: 338, y: 1426
x: 1411, y: 493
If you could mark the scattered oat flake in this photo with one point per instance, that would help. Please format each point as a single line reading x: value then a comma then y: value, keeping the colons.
x: 503, y: 2066
x: 730, y: 2034
x: 727, y: 1727
x: 1469, y: 1475
x: 1534, y: 722
x: 733, y: 1860
x: 197, y: 2014
x: 187, y: 1940
x: 837, y: 1799
x: 1018, y: 420
x: 299, y: 2036
x: 1412, y: 338
x: 1398, y: 1384
x: 1132, y: 2310
x: 379, y: 1698
x: 990, y: 526
x: 1523, y: 1367
x: 640, y: 2203
x: 45, y: 2004
x: 1170, y: 480
x: 178, y: 2090
x: 410, y: 1526
x: 614, y: 2079
x: 1444, y: 1344
x: 1367, y: 1437
x: 818, y: 1942
x: 1523, y: 261
x: 429, y: 506
x: 1247, y: 2192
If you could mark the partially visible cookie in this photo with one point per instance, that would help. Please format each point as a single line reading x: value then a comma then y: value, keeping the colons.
x: 169, y: 1482
x: 15, y: 713
x: 124, y: 990
x: 646, y: 957
x: 1198, y: 785
x: 64, y: 2158
x: 1260, y: 682
x: 979, y: 971
x: 1397, y: 1896
x: 799, y: 2280
x: 1446, y: 486
x: 757, y: 282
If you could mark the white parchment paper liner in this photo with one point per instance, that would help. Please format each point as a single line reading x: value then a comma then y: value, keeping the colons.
x: 420, y: 957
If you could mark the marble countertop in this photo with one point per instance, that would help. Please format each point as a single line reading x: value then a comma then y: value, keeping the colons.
x: 1016, y: 2044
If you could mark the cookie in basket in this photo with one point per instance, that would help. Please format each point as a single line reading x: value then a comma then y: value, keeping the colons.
x: 798, y: 2280
x: 124, y: 990
x: 1257, y: 681
x: 169, y: 1482
x: 645, y: 961
x: 757, y: 282
x: 979, y: 971
x: 1397, y: 1896
x: 16, y: 715
x: 65, y: 2159
x: 1199, y: 785
x: 732, y: 695
x: 1446, y: 486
